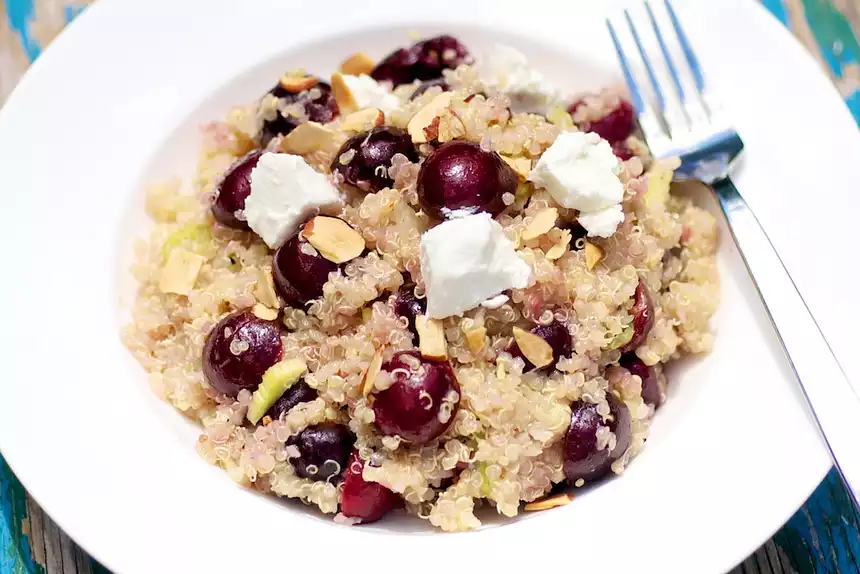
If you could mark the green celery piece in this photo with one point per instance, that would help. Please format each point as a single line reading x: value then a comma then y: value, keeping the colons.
x: 276, y: 380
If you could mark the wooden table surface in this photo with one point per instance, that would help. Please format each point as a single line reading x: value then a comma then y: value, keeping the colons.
x: 824, y: 535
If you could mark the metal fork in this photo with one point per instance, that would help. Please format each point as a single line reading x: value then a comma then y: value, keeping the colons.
x: 683, y: 119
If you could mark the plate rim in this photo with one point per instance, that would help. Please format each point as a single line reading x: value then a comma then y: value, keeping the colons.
x: 79, y: 28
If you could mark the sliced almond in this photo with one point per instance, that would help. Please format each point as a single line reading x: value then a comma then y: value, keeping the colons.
x: 427, y: 116
x: 431, y: 337
x: 521, y: 165
x: 557, y: 250
x: 180, y: 272
x: 357, y: 64
x: 334, y: 238
x: 533, y: 348
x: 265, y: 292
x: 295, y: 83
x: 371, y: 373
x: 363, y: 120
x: 308, y: 137
x: 550, y: 502
x: 449, y: 127
x: 342, y: 94
x: 475, y: 339
x: 541, y: 223
x: 264, y: 313
x: 593, y: 255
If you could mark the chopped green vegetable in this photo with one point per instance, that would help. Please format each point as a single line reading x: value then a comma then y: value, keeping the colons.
x: 195, y: 237
x: 558, y: 116
x: 524, y: 190
x: 276, y: 380
x: 621, y: 338
x: 485, y: 481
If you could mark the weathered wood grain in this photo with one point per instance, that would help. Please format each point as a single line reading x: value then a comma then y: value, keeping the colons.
x: 822, y: 538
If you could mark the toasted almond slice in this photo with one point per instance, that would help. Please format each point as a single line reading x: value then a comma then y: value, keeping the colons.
x: 550, y: 502
x: 431, y: 337
x: 363, y: 120
x: 308, y: 137
x: 593, y: 255
x: 295, y: 83
x: 180, y: 272
x: 264, y: 313
x: 557, y: 250
x: 264, y: 290
x: 342, y: 94
x: 533, y: 348
x: 371, y: 373
x: 475, y: 339
x: 334, y: 238
x: 521, y: 165
x: 357, y: 64
x: 426, y: 116
x: 541, y: 223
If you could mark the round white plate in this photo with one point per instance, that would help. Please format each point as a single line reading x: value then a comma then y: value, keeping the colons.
x: 114, y: 104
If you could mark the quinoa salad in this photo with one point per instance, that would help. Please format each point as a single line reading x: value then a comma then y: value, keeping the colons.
x: 432, y: 282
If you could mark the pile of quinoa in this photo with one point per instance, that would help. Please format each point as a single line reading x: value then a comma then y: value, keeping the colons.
x: 504, y: 446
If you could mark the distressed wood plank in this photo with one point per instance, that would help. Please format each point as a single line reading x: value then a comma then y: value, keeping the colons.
x: 823, y: 537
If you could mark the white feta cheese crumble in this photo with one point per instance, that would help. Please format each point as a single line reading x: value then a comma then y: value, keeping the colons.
x: 286, y: 192
x: 603, y: 222
x: 466, y: 261
x: 507, y: 69
x: 495, y: 302
x: 369, y: 93
x: 580, y: 171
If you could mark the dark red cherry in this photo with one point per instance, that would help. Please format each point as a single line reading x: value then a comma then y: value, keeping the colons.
x: 238, y: 350
x: 234, y: 187
x: 461, y: 177
x: 368, y: 501
x: 421, y: 402
x: 582, y: 459
x: 364, y: 159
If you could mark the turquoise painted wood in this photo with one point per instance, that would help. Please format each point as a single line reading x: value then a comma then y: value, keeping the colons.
x: 822, y: 538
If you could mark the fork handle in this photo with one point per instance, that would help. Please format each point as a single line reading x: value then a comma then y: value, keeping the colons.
x: 835, y: 404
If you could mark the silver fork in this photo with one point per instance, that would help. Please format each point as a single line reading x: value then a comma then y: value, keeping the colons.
x: 684, y: 120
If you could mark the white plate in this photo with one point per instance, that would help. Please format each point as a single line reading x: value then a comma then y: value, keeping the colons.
x: 114, y: 103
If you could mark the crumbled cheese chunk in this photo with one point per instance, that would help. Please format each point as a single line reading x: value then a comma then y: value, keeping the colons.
x: 603, y: 222
x: 180, y: 272
x: 580, y: 171
x: 495, y: 302
x: 466, y: 261
x: 286, y: 192
x: 507, y: 69
x: 369, y: 93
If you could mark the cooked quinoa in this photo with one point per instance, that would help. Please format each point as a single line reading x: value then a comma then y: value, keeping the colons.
x: 505, y: 444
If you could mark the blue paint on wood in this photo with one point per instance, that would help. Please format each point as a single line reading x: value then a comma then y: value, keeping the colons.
x: 853, y: 102
x: 833, y: 34
x: 20, y: 14
x: 824, y: 535
x: 15, y: 555
x: 822, y: 538
x: 776, y: 8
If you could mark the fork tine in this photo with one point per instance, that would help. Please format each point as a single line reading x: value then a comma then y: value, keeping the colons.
x: 635, y: 94
x: 676, y: 80
x: 652, y: 78
x: 692, y: 61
